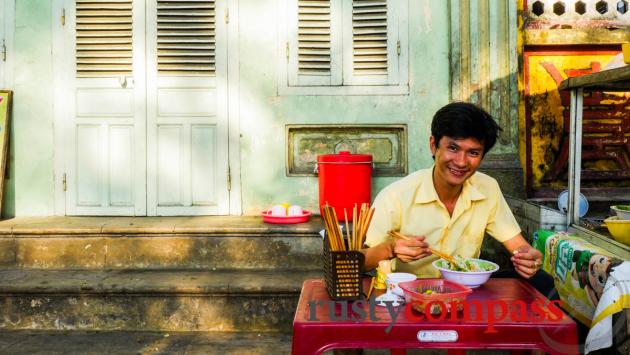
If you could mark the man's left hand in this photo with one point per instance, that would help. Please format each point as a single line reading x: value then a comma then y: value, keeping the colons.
x: 527, y: 260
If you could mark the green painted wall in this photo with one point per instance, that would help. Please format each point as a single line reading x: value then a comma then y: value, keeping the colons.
x: 29, y: 187
x: 263, y: 114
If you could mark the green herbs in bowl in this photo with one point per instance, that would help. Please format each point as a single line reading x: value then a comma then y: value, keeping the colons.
x: 480, y: 271
x: 472, y: 265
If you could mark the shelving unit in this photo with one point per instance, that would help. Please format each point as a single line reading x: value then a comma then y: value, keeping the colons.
x: 607, y: 80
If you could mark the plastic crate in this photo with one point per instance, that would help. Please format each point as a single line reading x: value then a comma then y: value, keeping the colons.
x: 342, y: 273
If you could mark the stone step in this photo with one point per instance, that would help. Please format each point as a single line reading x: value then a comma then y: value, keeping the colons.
x: 207, y: 243
x: 120, y: 342
x: 150, y: 300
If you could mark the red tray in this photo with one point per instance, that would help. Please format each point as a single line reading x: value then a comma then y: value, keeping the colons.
x: 267, y: 217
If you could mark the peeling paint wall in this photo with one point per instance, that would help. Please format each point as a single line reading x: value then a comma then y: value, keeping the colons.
x: 264, y: 114
x: 29, y: 184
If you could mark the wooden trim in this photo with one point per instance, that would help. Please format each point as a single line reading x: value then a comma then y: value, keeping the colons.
x: 233, y: 109
x: 61, y: 111
x: 358, y: 90
x: 610, y: 80
x: 554, y: 37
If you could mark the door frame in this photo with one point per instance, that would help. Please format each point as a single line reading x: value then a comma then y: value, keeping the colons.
x: 233, y: 110
x: 61, y: 56
x: 8, y: 22
x: 60, y: 110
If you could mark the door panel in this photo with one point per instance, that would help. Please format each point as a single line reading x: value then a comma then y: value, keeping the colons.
x: 204, y: 144
x: 88, y: 169
x: 170, y: 161
x: 105, y: 102
x: 121, y: 169
x: 186, y: 102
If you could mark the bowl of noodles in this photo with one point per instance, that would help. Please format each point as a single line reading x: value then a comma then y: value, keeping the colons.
x: 476, y: 273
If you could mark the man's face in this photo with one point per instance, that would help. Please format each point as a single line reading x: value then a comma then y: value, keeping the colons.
x: 456, y: 159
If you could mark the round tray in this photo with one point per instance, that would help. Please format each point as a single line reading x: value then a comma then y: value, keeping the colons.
x: 267, y: 217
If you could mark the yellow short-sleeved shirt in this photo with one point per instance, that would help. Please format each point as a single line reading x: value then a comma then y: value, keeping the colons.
x: 411, y: 205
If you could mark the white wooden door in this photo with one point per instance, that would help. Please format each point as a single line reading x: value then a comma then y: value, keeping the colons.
x: 104, y: 108
x: 187, y: 130
x: 144, y: 119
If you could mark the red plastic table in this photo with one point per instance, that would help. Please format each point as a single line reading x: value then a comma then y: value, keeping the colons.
x: 315, y: 332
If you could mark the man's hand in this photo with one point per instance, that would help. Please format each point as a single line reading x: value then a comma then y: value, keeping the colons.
x: 410, y: 250
x: 527, y: 260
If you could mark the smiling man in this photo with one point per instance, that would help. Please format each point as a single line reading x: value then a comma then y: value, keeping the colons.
x: 449, y: 206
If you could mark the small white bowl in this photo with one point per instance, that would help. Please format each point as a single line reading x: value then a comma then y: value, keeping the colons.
x: 622, y: 214
x: 278, y: 210
x: 294, y: 210
x: 394, y: 278
x: 470, y: 279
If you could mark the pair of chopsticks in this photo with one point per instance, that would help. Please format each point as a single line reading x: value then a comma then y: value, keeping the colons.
x: 444, y: 256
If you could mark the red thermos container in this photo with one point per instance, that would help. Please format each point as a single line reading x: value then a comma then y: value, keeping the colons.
x: 344, y: 179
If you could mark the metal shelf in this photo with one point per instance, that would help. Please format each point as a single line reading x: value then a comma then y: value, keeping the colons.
x: 617, y: 79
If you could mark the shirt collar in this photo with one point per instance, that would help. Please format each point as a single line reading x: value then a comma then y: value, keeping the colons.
x: 426, y: 191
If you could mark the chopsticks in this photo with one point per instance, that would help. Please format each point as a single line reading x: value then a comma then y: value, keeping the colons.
x: 361, y: 223
x: 331, y: 223
x: 444, y: 256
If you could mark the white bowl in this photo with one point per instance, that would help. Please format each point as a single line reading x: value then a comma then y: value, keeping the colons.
x: 470, y: 279
x: 394, y: 278
x: 622, y: 214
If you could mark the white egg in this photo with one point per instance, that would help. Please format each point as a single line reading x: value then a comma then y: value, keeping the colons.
x: 295, y: 210
x: 278, y: 210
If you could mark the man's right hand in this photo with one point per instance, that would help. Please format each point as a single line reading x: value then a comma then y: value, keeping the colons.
x: 410, y: 250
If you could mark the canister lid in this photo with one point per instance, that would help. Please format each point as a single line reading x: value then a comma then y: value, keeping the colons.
x: 344, y: 157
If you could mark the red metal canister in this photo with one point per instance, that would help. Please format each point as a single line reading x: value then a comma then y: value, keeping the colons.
x: 344, y: 179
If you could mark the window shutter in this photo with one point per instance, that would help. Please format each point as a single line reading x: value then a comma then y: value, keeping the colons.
x: 347, y: 43
x: 103, y: 38
x: 313, y: 48
x: 371, y: 42
x: 369, y: 37
x: 186, y: 37
x: 314, y: 37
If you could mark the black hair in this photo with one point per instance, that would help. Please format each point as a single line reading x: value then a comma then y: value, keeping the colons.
x: 464, y: 120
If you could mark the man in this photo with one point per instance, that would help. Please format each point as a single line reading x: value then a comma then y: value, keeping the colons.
x: 450, y: 206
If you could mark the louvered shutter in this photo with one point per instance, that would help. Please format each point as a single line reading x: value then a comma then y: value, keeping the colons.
x: 369, y: 37
x: 104, y: 38
x: 314, y: 42
x: 371, y: 42
x: 186, y: 37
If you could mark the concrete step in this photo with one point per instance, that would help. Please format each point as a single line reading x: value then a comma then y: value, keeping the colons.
x: 148, y: 300
x: 207, y: 243
x: 118, y: 342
